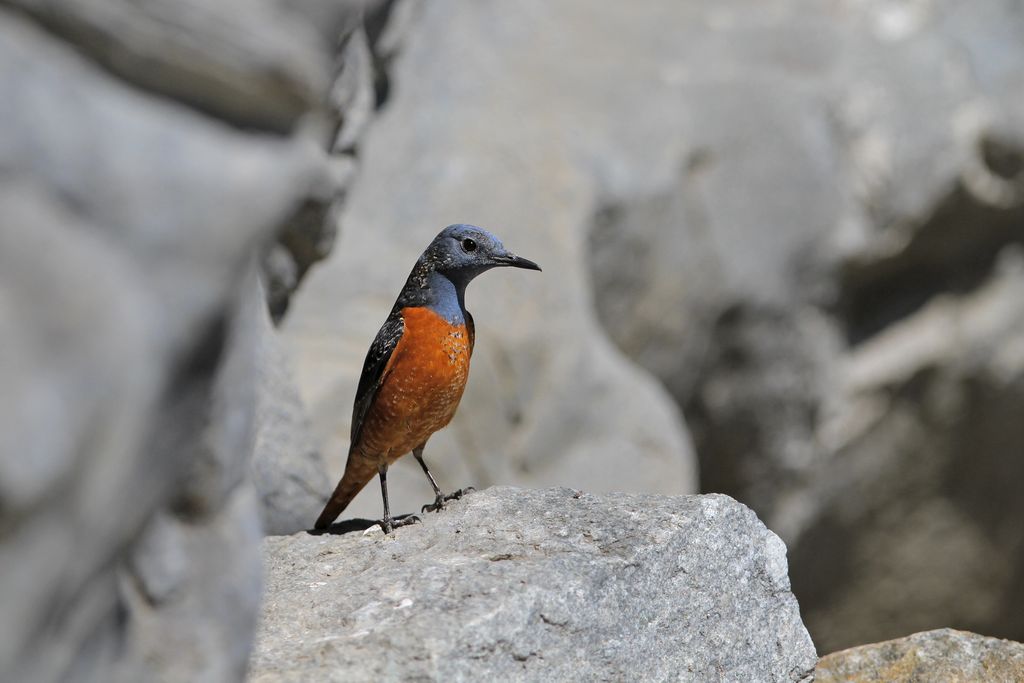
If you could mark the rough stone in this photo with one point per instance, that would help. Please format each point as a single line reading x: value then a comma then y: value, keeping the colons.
x: 927, y: 459
x: 55, y: 274
x: 99, y: 159
x: 250, y: 62
x: 352, y: 95
x: 193, y: 593
x: 191, y: 585
x: 309, y: 235
x: 286, y: 466
x: 220, y: 458
x: 942, y: 655
x: 128, y: 534
x: 837, y: 175
x: 514, y: 584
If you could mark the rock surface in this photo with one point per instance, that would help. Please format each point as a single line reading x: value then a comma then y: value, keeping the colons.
x: 309, y: 235
x: 915, y: 518
x: 839, y: 175
x: 516, y: 584
x: 286, y: 466
x: 942, y: 655
x: 148, y: 153
x: 252, y: 63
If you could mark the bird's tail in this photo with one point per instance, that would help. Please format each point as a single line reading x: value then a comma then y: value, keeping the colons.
x: 358, y: 471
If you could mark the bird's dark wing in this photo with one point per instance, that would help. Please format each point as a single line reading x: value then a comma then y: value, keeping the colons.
x: 471, y: 328
x: 373, y: 369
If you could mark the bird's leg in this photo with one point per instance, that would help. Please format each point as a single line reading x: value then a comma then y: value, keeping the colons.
x: 439, y: 498
x: 388, y: 523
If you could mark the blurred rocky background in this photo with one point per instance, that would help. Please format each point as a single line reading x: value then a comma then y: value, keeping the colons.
x: 150, y: 156
x: 783, y: 245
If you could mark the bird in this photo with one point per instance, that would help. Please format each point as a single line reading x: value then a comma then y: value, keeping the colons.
x: 416, y: 368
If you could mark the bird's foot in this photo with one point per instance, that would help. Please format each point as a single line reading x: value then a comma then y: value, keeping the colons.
x: 389, y: 525
x: 439, y: 502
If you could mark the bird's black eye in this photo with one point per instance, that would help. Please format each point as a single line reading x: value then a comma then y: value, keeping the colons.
x: 468, y: 245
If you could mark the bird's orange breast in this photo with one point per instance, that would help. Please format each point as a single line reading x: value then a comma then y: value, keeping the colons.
x: 421, y: 386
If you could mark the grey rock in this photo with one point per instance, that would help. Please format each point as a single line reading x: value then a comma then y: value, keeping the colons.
x: 392, y: 34
x: 352, y: 95
x: 191, y: 585
x: 333, y: 19
x: 71, y: 429
x: 700, y: 273
x: 514, y: 584
x: 193, y: 594
x: 309, y: 234
x: 99, y: 159
x: 158, y: 562
x: 941, y: 655
x: 128, y: 311
x: 248, y: 62
x: 220, y: 459
x: 926, y: 468
x: 280, y: 276
x: 286, y: 468
x: 836, y: 176
x: 549, y: 400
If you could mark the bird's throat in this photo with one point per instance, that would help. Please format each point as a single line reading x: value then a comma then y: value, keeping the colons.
x: 447, y: 298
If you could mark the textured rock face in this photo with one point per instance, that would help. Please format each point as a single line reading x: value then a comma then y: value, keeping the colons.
x: 919, y: 509
x: 146, y: 156
x: 251, y: 63
x: 942, y: 655
x: 826, y: 284
x: 515, y: 584
x: 549, y: 400
x: 286, y: 466
x: 310, y: 233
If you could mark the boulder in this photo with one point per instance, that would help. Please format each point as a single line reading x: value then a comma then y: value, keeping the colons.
x: 191, y: 588
x: 517, y: 584
x: 286, y: 468
x: 941, y: 655
x: 847, y: 183
x: 915, y: 518
x: 309, y: 235
x: 257, y: 64
x: 147, y: 156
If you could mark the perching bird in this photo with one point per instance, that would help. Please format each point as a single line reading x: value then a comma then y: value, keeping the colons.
x: 417, y: 366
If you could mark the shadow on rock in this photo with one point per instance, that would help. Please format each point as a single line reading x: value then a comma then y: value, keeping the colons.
x: 350, y: 526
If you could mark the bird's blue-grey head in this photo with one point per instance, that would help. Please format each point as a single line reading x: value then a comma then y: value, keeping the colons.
x: 457, y: 255
x: 461, y: 252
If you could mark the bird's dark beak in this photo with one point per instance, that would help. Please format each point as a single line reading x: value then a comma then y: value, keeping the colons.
x: 511, y: 259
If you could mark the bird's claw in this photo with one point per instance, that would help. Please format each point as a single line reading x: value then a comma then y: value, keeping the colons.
x: 439, y: 501
x: 389, y: 525
x: 457, y: 495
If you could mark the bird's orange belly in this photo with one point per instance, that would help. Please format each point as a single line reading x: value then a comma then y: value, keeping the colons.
x: 421, y: 387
